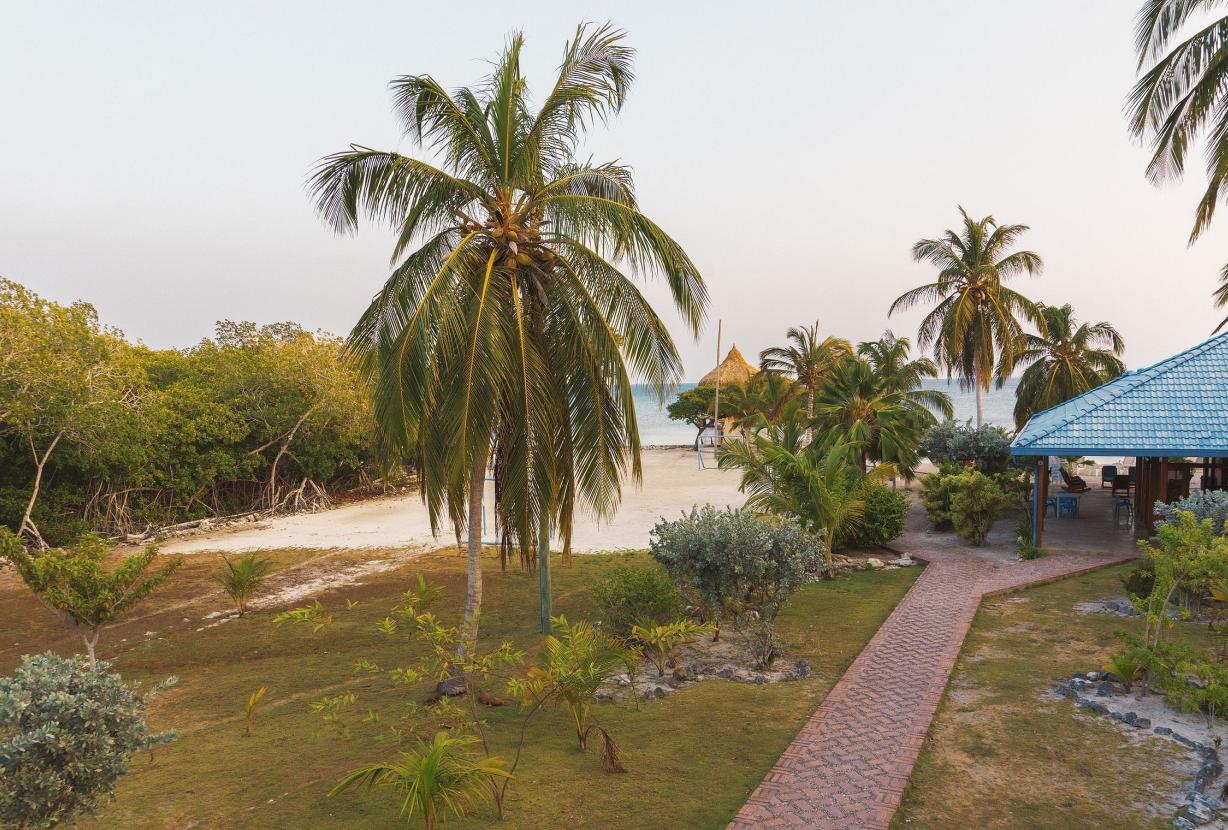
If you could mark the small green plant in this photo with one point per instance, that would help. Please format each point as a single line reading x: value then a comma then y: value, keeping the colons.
x: 68, y: 731
x: 438, y: 777
x: 1023, y: 539
x: 249, y: 715
x: 936, y: 491
x: 627, y: 596
x: 885, y: 510
x: 976, y: 503
x: 1128, y: 665
x: 243, y: 577
x: 572, y: 666
x: 659, y: 641
x: 75, y: 582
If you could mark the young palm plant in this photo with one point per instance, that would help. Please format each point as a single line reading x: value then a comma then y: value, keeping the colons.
x: 808, y: 359
x: 1182, y: 95
x: 510, y: 325
x: 821, y: 484
x: 1068, y: 360
x: 976, y: 320
x: 243, y: 578
x: 440, y: 777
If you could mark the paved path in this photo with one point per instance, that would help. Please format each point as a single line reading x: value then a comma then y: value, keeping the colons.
x: 848, y: 766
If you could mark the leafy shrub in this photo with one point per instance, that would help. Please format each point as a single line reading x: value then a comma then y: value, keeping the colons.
x: 936, y: 490
x: 68, y: 731
x: 884, y: 517
x: 1140, y: 581
x: 987, y: 448
x: 1023, y: 539
x: 1211, y: 504
x: 976, y: 503
x: 729, y: 559
x: 636, y: 596
x: 1128, y: 665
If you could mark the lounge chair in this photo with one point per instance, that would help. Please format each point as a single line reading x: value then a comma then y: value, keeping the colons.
x: 1121, y: 485
x: 1107, y: 474
x: 1073, y: 484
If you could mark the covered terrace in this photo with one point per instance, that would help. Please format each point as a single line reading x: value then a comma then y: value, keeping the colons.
x: 1172, y: 418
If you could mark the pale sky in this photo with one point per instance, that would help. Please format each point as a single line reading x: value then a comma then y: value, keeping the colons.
x: 153, y: 155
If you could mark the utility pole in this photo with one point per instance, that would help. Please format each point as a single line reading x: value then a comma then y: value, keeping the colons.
x: 716, y: 408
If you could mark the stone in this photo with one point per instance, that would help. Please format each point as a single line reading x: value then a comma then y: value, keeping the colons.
x: 652, y: 693
x: 1182, y: 823
x: 874, y: 563
x: 1198, y: 814
x: 1162, y: 730
x: 726, y: 673
x: 801, y: 669
x: 904, y: 561
x: 1104, y: 689
x: 452, y: 687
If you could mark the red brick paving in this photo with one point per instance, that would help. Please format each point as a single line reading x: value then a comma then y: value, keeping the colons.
x: 848, y: 766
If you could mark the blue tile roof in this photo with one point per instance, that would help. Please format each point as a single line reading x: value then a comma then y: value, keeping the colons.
x: 1178, y: 407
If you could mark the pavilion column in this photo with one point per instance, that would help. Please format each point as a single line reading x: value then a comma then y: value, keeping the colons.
x: 1040, y: 498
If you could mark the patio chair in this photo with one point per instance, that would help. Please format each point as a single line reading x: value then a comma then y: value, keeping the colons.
x: 1107, y: 473
x: 1121, y: 485
x: 1131, y: 475
x: 1073, y: 484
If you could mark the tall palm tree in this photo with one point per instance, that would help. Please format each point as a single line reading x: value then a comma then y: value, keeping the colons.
x: 766, y: 399
x: 1182, y: 95
x: 892, y: 361
x: 807, y: 359
x: 859, y: 407
x: 509, y: 325
x: 1068, y: 360
x: 975, y: 322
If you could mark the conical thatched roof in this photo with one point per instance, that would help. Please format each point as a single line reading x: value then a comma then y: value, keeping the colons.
x: 733, y: 370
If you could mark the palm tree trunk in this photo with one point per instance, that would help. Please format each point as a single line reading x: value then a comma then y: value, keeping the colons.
x: 473, y: 590
x: 980, y: 392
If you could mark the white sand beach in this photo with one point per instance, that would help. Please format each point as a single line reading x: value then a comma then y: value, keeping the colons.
x: 673, y: 483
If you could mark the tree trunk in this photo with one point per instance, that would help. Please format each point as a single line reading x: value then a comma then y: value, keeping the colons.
x: 544, y: 588
x: 980, y: 393
x: 27, y: 523
x: 473, y: 590
x: 91, y: 640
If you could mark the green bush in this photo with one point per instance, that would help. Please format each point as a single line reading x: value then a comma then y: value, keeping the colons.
x: 1140, y: 581
x: 954, y: 445
x: 976, y: 503
x: 884, y: 517
x: 67, y: 733
x: 936, y: 491
x: 636, y: 596
x: 729, y: 561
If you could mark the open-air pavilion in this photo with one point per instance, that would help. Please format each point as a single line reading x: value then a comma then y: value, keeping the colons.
x: 1171, y: 418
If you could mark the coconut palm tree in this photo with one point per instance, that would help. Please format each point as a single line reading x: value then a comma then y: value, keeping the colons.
x: 975, y: 322
x: 892, y: 361
x: 510, y: 324
x: 859, y: 407
x: 807, y: 359
x: 1069, y: 360
x: 1181, y: 96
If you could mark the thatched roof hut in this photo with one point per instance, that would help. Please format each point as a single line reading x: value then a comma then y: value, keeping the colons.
x: 733, y: 370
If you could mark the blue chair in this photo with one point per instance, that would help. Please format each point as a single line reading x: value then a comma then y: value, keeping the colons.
x: 1051, y: 501
x: 1123, y: 503
x: 1068, y: 505
x: 1107, y: 474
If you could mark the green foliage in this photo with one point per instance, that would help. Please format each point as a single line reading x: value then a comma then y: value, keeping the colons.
x: 249, y: 711
x: 976, y: 503
x: 1128, y: 664
x: 694, y: 406
x: 729, y: 559
x: 1203, y: 504
x: 936, y: 492
x: 884, y: 517
x: 572, y: 666
x: 68, y: 730
x: 76, y: 583
x: 440, y: 777
x: 1140, y: 580
x: 1065, y: 361
x: 243, y: 577
x: 627, y: 596
x: 952, y: 444
x: 974, y: 325
x: 808, y: 359
x: 1187, y: 556
x: 659, y: 641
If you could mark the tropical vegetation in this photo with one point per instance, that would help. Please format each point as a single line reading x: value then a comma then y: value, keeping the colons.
x: 509, y: 328
x: 807, y: 359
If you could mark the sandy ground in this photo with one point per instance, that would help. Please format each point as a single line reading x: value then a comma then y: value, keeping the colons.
x: 673, y: 483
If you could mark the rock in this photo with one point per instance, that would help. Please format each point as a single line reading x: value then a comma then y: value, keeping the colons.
x: 1104, y: 689
x: 1198, y: 814
x: 1183, y: 824
x: 874, y: 563
x: 652, y: 693
x: 1162, y: 730
x: 801, y: 669
x: 604, y: 694
x: 726, y: 673
x: 679, y: 674
x: 452, y: 687
x: 904, y: 561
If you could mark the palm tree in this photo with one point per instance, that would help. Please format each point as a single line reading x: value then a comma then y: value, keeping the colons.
x: 807, y: 358
x: 1069, y: 360
x: 766, y: 399
x: 975, y: 323
x: 1179, y: 97
x: 860, y: 407
x: 509, y: 325
x: 439, y: 777
x: 819, y: 485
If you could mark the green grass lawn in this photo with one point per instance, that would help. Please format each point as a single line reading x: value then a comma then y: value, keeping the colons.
x: 1003, y: 754
x: 692, y: 757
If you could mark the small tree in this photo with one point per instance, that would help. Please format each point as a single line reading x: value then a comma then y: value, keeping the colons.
x: 976, y: 503
x: 659, y: 641
x: 68, y: 731
x: 76, y: 583
x: 629, y: 596
x: 439, y: 777
x: 243, y: 577
x: 695, y: 407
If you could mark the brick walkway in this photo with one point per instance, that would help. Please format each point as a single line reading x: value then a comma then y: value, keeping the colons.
x: 849, y: 764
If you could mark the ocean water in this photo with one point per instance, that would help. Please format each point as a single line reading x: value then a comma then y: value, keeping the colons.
x: 657, y: 428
